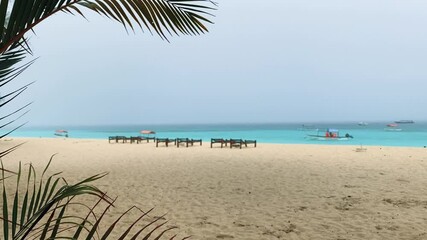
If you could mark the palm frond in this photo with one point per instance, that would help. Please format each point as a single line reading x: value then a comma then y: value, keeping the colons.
x: 8, y: 72
x: 160, y: 16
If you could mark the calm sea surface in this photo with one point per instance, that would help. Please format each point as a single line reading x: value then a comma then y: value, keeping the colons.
x: 373, y: 134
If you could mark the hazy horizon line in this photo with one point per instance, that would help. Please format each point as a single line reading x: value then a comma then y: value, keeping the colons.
x: 219, y: 123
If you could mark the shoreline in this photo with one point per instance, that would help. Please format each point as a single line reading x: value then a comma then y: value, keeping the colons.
x: 208, y: 142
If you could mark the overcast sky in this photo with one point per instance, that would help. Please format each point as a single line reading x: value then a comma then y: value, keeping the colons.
x: 262, y: 61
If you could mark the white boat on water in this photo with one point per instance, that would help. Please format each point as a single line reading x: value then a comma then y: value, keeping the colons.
x: 329, y: 135
x: 362, y: 123
x: 392, y: 127
x: 61, y: 133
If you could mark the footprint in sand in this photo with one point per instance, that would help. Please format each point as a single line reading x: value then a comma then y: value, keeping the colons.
x: 301, y: 208
x: 351, y: 186
x: 403, y: 180
x: 238, y: 224
x: 290, y: 228
x: 390, y: 228
x: 406, y: 203
x: 347, y: 203
x: 224, y: 236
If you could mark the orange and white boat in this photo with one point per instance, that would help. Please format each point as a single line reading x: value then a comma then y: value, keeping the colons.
x: 61, y: 133
x: 392, y: 127
x: 329, y: 134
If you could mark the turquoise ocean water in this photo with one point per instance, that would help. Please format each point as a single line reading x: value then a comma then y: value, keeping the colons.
x: 373, y: 134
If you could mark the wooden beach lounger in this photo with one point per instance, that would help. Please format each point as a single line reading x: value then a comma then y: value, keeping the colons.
x: 165, y: 140
x: 112, y: 138
x: 246, y: 142
x: 193, y: 141
x: 218, y: 140
x: 188, y: 141
x: 139, y: 139
x: 135, y: 139
x: 117, y: 139
x: 236, y: 143
x: 239, y: 143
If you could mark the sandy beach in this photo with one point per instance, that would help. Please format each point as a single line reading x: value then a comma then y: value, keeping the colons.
x: 274, y: 191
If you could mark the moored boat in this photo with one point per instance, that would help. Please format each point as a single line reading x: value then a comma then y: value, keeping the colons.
x: 392, y: 127
x: 61, y: 133
x: 307, y: 127
x: 329, y: 135
x: 404, y: 121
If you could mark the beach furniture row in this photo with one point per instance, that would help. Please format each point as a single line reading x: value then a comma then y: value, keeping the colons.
x: 167, y: 141
x: 232, y: 142
x: 124, y: 139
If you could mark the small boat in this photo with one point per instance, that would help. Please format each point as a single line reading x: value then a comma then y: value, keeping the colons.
x: 392, y: 127
x: 147, y: 132
x: 61, y: 133
x: 328, y: 135
x: 362, y: 123
x: 404, y: 121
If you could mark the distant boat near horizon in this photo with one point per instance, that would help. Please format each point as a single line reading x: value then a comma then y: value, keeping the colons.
x: 307, y: 127
x: 362, y: 124
x: 404, y: 121
x: 392, y: 127
x: 61, y: 133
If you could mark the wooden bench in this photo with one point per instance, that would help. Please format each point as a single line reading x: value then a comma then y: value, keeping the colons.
x: 187, y: 141
x: 218, y: 140
x: 165, y: 140
x: 116, y: 139
x: 135, y: 139
x: 246, y: 142
x: 112, y: 138
x: 236, y: 143
x: 193, y: 141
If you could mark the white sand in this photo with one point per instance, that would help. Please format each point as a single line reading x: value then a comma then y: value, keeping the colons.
x: 273, y: 191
